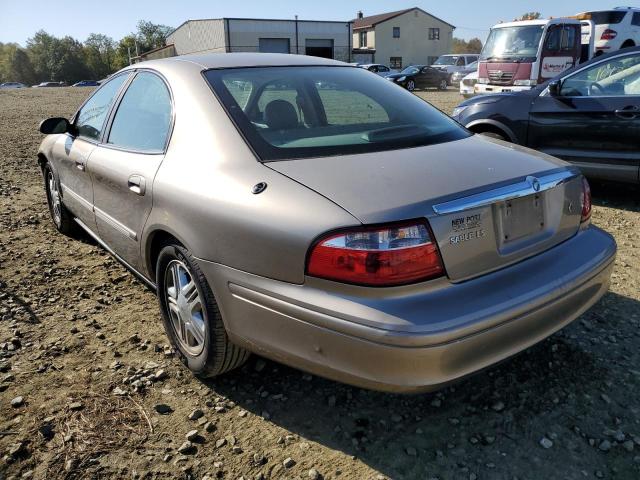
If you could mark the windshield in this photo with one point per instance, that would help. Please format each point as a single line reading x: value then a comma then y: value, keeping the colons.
x: 446, y: 60
x: 410, y: 70
x: 513, y: 42
x: 304, y: 112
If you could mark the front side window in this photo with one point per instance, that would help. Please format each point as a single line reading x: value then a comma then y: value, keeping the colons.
x: 434, y: 34
x: 396, y: 32
x: 614, y: 77
x: 635, y: 20
x: 91, y: 117
x: 143, y: 118
x: 304, y: 112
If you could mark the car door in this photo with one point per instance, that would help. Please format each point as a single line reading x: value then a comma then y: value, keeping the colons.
x: 124, y: 166
x: 382, y: 70
x: 594, y: 120
x: 427, y: 77
x: 72, y: 152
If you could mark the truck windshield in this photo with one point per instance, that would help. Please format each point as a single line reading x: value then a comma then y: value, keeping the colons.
x: 513, y: 42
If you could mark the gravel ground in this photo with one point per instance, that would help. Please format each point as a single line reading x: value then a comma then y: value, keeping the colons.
x: 89, y: 387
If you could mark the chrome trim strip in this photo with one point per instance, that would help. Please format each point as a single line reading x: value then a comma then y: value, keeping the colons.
x: 123, y: 229
x: 502, y: 194
x: 138, y: 275
x: 81, y: 200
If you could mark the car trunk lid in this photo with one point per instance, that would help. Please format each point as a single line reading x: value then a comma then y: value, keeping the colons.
x: 478, y: 195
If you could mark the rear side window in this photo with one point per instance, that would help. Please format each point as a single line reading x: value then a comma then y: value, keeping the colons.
x: 636, y: 19
x: 605, y: 18
x: 143, y: 118
x: 304, y: 112
x: 91, y: 117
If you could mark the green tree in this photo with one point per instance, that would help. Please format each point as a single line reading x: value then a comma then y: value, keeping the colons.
x: 15, y: 65
x: 529, y: 16
x: 125, y: 46
x: 151, y: 35
x: 100, y: 55
x: 57, y: 59
x: 462, y: 46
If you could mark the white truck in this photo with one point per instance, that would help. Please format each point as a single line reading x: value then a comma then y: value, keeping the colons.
x: 519, y: 55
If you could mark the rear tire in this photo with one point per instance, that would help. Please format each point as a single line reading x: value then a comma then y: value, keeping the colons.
x: 628, y: 44
x: 443, y: 85
x: 191, y: 316
x: 61, y: 217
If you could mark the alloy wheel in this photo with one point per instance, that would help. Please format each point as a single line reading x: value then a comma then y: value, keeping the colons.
x: 185, y: 308
x: 54, y: 198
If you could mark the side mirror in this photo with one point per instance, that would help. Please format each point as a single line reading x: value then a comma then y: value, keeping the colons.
x: 55, y: 125
x: 555, y: 88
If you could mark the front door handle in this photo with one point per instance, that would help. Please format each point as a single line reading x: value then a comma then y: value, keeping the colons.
x: 80, y: 165
x: 137, y: 184
x: 627, y: 113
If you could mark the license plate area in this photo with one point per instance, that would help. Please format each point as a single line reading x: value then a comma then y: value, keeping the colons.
x: 520, y: 220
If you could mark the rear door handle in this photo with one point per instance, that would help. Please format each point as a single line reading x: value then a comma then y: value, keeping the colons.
x: 137, y: 184
x: 627, y: 113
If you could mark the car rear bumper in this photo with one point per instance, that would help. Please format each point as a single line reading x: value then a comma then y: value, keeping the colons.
x: 418, y: 337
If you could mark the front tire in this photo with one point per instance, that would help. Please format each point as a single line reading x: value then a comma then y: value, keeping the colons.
x: 411, y: 85
x: 191, y: 316
x: 62, y: 218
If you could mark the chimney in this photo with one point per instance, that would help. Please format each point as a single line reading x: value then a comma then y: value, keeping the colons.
x: 360, y: 14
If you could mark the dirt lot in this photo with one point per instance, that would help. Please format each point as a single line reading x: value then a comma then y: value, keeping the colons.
x: 81, y: 343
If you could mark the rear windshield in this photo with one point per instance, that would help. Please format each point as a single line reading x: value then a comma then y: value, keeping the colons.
x: 605, y: 18
x: 303, y: 112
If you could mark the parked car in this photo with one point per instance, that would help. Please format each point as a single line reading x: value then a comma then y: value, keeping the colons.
x: 468, y: 85
x: 86, y: 83
x: 12, y: 85
x: 457, y: 77
x: 420, y: 76
x: 453, y: 63
x: 589, y: 115
x: 355, y: 231
x: 381, y: 70
x: 614, y: 29
x: 49, y: 84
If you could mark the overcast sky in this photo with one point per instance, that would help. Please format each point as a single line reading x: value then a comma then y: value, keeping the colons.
x: 20, y: 19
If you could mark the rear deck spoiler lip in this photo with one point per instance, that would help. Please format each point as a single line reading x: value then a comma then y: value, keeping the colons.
x: 530, y: 185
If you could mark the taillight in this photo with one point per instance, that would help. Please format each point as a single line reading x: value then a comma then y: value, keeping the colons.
x: 608, y: 34
x: 585, y: 200
x: 377, y: 256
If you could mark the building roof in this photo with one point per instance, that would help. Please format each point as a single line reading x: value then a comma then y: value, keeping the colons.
x: 373, y: 20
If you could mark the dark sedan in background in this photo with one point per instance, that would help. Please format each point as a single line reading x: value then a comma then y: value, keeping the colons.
x: 420, y: 76
x: 589, y: 115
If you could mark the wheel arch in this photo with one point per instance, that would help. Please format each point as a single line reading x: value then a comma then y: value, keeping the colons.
x: 628, y: 43
x: 489, y: 125
x: 156, y: 239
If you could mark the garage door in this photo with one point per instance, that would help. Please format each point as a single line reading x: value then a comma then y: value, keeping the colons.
x: 319, y: 47
x: 274, y: 45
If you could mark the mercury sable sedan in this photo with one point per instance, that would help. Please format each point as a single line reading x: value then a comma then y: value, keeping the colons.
x: 316, y: 214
